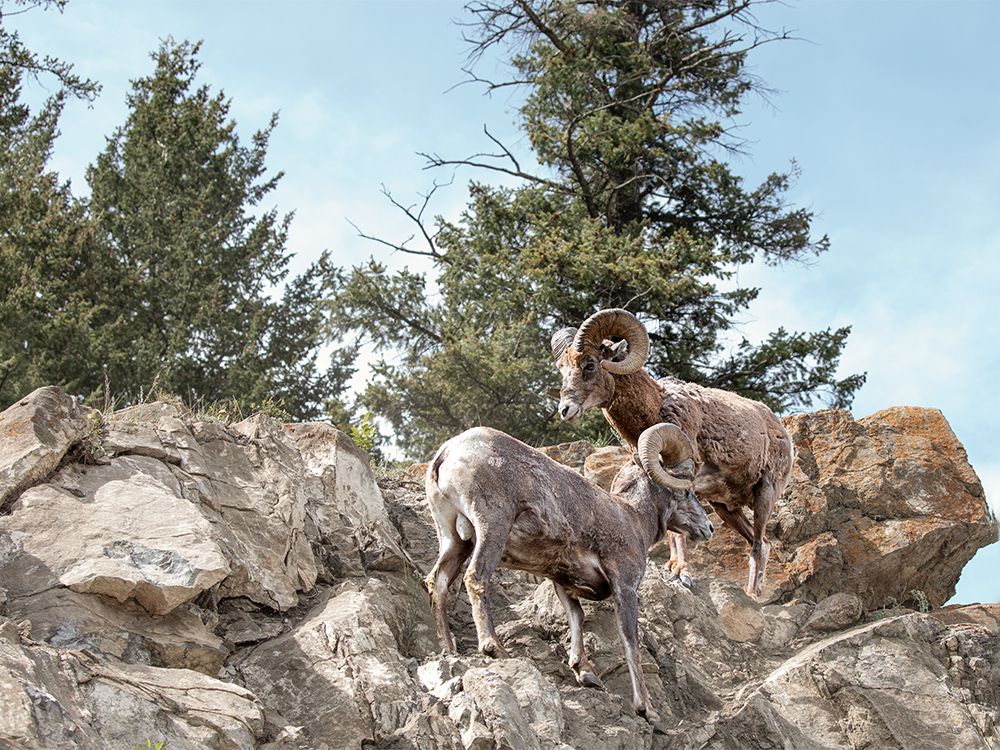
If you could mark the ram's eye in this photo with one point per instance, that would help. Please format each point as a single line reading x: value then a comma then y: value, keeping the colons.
x: 589, y: 367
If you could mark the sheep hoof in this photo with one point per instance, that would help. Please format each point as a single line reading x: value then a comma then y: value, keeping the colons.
x: 650, y: 715
x: 589, y: 680
x: 686, y: 581
x: 494, y: 650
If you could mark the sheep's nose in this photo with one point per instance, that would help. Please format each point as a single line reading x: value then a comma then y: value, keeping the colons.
x: 711, y: 527
x: 569, y: 411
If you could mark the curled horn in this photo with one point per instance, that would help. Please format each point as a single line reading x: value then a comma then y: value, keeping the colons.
x: 668, y: 442
x: 615, y: 322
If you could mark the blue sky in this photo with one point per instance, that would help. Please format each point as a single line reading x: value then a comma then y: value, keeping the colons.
x: 890, y: 108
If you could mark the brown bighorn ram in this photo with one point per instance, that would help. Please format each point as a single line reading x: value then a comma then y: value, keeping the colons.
x: 741, y: 448
x: 498, y: 502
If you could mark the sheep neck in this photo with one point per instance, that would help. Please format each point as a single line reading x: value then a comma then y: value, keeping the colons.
x: 644, y: 509
x: 635, y: 405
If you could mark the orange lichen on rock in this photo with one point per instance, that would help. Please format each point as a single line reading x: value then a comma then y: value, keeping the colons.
x: 877, y: 507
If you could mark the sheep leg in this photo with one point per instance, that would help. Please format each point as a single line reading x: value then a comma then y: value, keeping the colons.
x: 759, y: 552
x: 672, y: 562
x: 759, y: 548
x: 736, y: 520
x: 627, y: 608
x: 578, y: 661
x: 454, y: 552
x: 485, y: 558
x: 677, y: 565
x: 765, y: 496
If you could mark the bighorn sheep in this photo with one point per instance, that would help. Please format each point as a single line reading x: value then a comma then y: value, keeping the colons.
x: 497, y: 502
x: 741, y: 448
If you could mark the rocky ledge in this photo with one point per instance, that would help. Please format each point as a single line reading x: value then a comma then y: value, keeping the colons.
x: 169, y: 579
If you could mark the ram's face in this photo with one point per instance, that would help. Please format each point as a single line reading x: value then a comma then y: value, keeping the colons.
x: 585, y: 383
x: 685, y: 515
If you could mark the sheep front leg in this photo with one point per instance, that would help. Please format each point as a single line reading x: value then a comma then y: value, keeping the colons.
x: 484, y: 561
x: 578, y: 661
x: 627, y: 607
x: 677, y: 565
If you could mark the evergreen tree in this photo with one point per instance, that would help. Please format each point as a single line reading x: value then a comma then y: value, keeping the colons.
x: 48, y: 284
x: 632, y: 205
x: 22, y: 61
x: 177, y: 199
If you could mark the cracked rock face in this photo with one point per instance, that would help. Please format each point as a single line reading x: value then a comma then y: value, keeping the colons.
x: 164, y: 578
x: 880, y: 507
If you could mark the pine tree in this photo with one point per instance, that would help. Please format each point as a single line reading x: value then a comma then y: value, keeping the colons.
x: 178, y: 203
x: 632, y: 204
x: 48, y: 285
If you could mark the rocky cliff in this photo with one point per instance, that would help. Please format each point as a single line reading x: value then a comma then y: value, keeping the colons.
x: 169, y: 579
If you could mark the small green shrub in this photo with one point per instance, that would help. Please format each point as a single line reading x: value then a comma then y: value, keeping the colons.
x: 891, y: 610
x: 149, y: 746
x: 365, y: 434
x: 923, y: 605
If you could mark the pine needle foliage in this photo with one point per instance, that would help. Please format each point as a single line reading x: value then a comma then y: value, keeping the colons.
x: 631, y: 202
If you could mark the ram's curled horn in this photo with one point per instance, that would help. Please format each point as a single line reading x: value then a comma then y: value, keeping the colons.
x: 615, y: 322
x: 667, y: 442
x: 561, y: 341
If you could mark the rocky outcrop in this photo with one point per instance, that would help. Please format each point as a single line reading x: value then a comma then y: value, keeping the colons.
x: 886, y: 507
x: 172, y: 579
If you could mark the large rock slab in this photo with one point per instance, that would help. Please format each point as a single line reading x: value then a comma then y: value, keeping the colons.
x: 896, y: 683
x: 58, y: 698
x: 60, y: 617
x: 122, y: 530
x: 603, y: 465
x: 250, y: 482
x: 35, y: 434
x: 109, y: 552
x: 573, y: 455
x: 339, y: 675
x: 346, y: 503
x: 881, y: 507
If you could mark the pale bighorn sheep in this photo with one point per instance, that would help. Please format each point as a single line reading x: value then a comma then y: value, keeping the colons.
x: 743, y: 453
x: 498, y: 502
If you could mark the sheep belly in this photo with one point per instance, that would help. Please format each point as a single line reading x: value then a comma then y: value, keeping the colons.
x: 575, y: 568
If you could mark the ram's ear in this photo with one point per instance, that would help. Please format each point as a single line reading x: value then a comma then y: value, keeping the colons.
x: 554, y: 393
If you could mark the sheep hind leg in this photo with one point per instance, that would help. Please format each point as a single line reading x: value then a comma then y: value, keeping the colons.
x: 759, y: 552
x: 760, y: 549
x: 485, y: 558
x: 627, y: 609
x: 454, y: 552
x: 578, y: 661
x: 736, y: 520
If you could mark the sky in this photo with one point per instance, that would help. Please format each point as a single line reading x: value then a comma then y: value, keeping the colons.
x: 890, y: 108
